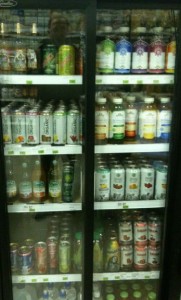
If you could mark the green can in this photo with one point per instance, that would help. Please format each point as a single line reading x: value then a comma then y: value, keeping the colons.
x: 66, y: 60
x: 67, y: 182
x: 49, y: 59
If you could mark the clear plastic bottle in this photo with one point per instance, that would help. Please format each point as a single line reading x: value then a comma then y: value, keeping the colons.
x: 25, y: 184
x: 39, y: 182
x: 131, y: 116
x: 140, y: 52
x: 62, y: 295
x: 117, y: 122
x: 97, y: 253
x: 164, y: 118
x: 105, y: 56
x: 78, y: 252
x: 55, y: 182
x: 71, y: 293
x: 147, y: 120
x: 170, y: 56
x: 11, y: 184
x: 101, y: 121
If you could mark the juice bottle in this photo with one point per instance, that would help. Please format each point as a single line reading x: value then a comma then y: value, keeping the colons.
x: 39, y: 182
x: 55, y: 182
x: 170, y: 56
x: 11, y: 185
x: 164, y: 117
x: 147, y: 120
x: 112, y: 253
x: 97, y: 253
x: 105, y: 59
x: 131, y: 116
x: 117, y: 122
x: 101, y: 121
x: 25, y: 184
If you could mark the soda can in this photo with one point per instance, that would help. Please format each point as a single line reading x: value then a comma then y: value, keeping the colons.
x: 25, y: 260
x: 60, y: 126
x: 52, y: 248
x: 125, y: 230
x: 14, y: 257
x: 147, y: 182
x: 32, y: 127
x: 66, y: 60
x: 41, y: 257
x: 46, y: 126
x: 140, y: 231
x: 49, y: 59
x: 73, y: 125
x: 161, y: 182
x: 126, y: 257
x: 6, y: 125
x: 117, y: 182
x: 102, y: 183
x: 64, y: 254
x: 18, y: 126
x: 132, y: 182
x: 154, y: 229
x: 153, y: 257
x: 140, y: 258
x: 67, y: 182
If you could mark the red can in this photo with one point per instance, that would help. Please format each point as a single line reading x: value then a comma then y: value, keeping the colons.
x: 41, y: 257
x: 140, y: 231
x: 52, y: 248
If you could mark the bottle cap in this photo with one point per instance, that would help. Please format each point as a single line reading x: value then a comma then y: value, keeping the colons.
x: 151, y: 296
x: 110, y: 297
x: 124, y: 29
x: 117, y: 100
x: 137, y: 295
x: 140, y: 29
x: 124, y: 295
x: 164, y: 99
x: 131, y: 98
x: 158, y: 29
x: 97, y: 294
x: 149, y: 100
x: 101, y: 100
x: 107, y: 28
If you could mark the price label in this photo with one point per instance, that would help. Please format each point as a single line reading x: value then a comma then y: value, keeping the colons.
x: 10, y: 152
x: 22, y: 281
x: 98, y: 81
x: 22, y: 153
x: 105, y: 278
x: 125, y: 81
x: 55, y: 152
x: 147, y: 277
x: 45, y: 279
x: 65, y: 278
x: 156, y: 81
x: 139, y: 82
x: 31, y: 209
x: 72, y: 81
x: 117, y: 277
x: 34, y: 280
x: 125, y: 206
x: 29, y: 82
x: 41, y: 151
x: 120, y: 205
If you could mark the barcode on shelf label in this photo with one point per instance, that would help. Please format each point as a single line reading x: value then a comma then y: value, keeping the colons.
x: 120, y: 204
x: 41, y: 151
x: 117, y: 277
x: 22, y: 281
x: 65, y: 278
x: 45, y: 279
x: 10, y: 152
x: 55, y: 152
x: 139, y: 82
x: 105, y: 278
x: 156, y: 81
x: 29, y: 82
x: 125, y: 81
x: 22, y: 153
x: 147, y: 277
x: 98, y: 81
x: 31, y: 209
x: 34, y: 280
x: 125, y: 205
x: 72, y: 81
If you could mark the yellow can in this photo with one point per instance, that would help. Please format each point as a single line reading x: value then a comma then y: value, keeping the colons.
x: 66, y: 60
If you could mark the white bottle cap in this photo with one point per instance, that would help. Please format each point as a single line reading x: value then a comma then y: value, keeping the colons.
x: 158, y: 29
x: 97, y: 294
x: 117, y: 100
x: 107, y: 28
x: 131, y: 98
x: 140, y: 30
x: 101, y: 100
x: 124, y: 29
x: 164, y: 99
x: 149, y: 100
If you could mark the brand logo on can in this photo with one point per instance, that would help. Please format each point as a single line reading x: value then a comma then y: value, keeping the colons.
x: 8, y: 3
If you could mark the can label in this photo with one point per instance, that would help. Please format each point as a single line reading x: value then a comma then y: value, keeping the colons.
x: 140, y: 232
x: 126, y: 257
x: 59, y: 128
x: 32, y: 128
x: 67, y: 184
x: 73, y: 128
x: 153, y: 257
x: 64, y: 257
x: 25, y: 260
x: 161, y: 183
x: 38, y: 189
x: 41, y: 257
x: 54, y: 188
x: 140, y: 258
x: 46, y: 129
x: 123, y: 56
x: 18, y: 128
x: 132, y: 183
x: 102, y: 184
x: 125, y: 232
x: 117, y: 184
x: 49, y: 60
x: 19, y: 62
x: 147, y: 183
x: 6, y: 124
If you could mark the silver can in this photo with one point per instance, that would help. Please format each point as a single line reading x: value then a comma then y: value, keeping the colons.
x: 117, y: 182
x: 73, y: 125
x: 60, y: 126
x: 132, y: 182
x: 46, y: 126
x: 33, y: 127
x: 147, y: 182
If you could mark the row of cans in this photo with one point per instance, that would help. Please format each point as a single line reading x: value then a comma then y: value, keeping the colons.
x: 36, y: 125
x: 117, y: 180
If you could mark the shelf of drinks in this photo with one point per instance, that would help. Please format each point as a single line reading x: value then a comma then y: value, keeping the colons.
x: 135, y: 79
x: 45, y: 207
x: 126, y: 276
x: 11, y: 150
x: 133, y: 148
x: 46, y: 278
x: 129, y: 204
x: 41, y: 79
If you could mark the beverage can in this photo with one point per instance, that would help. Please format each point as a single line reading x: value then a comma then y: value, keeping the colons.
x: 67, y: 182
x: 153, y: 257
x: 154, y: 229
x: 25, y: 260
x: 19, y: 60
x: 125, y: 230
x: 66, y: 60
x: 52, y: 249
x: 147, y: 182
x: 49, y: 59
x: 140, y: 231
x: 6, y: 125
x: 73, y: 125
x: 46, y: 126
x: 161, y: 182
x: 112, y: 255
x: 102, y: 183
x: 14, y: 257
x: 18, y: 126
x: 41, y: 257
x: 60, y: 126
x: 132, y: 182
x: 126, y: 257
x: 117, y: 182
x: 64, y: 254
x: 140, y: 258
x: 32, y: 126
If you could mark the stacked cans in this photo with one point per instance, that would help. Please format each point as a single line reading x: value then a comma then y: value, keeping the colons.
x: 58, y: 125
x: 129, y: 179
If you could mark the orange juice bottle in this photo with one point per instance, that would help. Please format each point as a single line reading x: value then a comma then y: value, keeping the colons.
x: 147, y: 120
x: 170, y: 56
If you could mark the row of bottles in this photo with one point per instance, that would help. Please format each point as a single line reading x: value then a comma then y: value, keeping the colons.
x: 148, y: 122
x: 58, y: 184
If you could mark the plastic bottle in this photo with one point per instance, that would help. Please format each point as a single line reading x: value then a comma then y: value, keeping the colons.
x: 33, y: 52
x: 25, y: 184
x: 62, y: 295
x: 70, y: 290
x: 11, y: 185
x: 147, y: 120
x: 39, y: 182
x: 19, y: 59
x: 78, y: 252
x: 140, y: 52
x: 123, y: 53
x: 170, y: 56
x: 137, y: 295
x: 112, y: 253
x: 79, y: 294
x: 164, y: 117
x: 110, y: 297
x: 52, y: 291
x: 101, y: 121
x: 23, y: 292
x: 105, y: 56
x: 55, y: 182
x: 97, y: 295
x: 131, y: 119
x: 65, y: 253
x: 117, y: 122
x: 97, y: 253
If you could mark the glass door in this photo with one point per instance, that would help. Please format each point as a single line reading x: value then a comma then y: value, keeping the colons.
x: 135, y: 64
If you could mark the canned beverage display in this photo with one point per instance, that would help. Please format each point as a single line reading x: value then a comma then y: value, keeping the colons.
x: 161, y: 182
x: 60, y: 125
x: 73, y: 127
x: 140, y: 231
x: 46, y: 126
x: 147, y: 182
x: 153, y: 257
x: 140, y: 258
x: 117, y: 182
x: 154, y: 229
x: 102, y: 183
x: 126, y: 257
x: 32, y: 126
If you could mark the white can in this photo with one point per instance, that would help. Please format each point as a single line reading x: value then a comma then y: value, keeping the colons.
x: 140, y: 231
x: 132, y: 182
x: 60, y: 126
x: 117, y: 182
x: 126, y: 257
x: 46, y: 127
x: 102, y: 183
x: 73, y: 125
x: 161, y: 182
x: 147, y: 182
x: 154, y: 229
x: 125, y: 229
x: 33, y: 127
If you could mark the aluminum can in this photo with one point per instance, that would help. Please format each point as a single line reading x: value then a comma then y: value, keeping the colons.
x: 33, y: 127
x: 154, y: 229
x: 147, y: 182
x: 41, y: 257
x: 14, y: 257
x: 6, y: 125
x: 125, y: 230
x: 132, y: 182
x: 64, y: 254
x: 153, y: 257
x: 140, y: 231
x: 126, y: 257
x: 117, y: 182
x: 60, y: 126
x: 19, y: 61
x: 67, y: 182
x: 140, y: 258
x: 25, y: 260
x: 66, y: 60
x: 73, y: 125
x: 52, y: 248
x: 102, y: 183
x: 49, y: 59
x: 30, y: 244
x: 18, y: 126
x: 46, y: 126
x: 161, y: 182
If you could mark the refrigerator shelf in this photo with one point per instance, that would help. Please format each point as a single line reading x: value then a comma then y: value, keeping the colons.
x: 126, y: 275
x: 41, y: 79
x: 46, y: 278
x: 46, y: 207
x: 11, y: 150
x: 132, y: 148
x: 129, y: 204
x: 134, y: 79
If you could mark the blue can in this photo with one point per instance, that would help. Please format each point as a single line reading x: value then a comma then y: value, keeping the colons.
x: 25, y: 260
x: 14, y: 257
x: 123, y: 56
